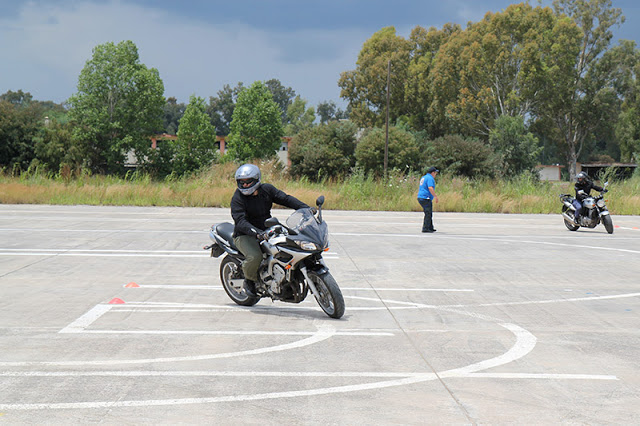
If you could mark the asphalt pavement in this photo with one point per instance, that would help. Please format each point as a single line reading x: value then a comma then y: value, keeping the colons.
x: 116, y: 315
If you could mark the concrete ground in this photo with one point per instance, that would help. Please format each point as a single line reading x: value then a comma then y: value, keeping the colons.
x: 116, y: 315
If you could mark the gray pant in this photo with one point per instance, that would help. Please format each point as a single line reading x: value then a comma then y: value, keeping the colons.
x: 250, y: 248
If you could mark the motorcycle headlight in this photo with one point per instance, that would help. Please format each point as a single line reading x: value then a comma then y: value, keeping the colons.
x: 307, y: 245
x: 600, y: 203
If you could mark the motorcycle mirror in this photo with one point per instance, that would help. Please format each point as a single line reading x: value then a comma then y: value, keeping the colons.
x: 320, y: 201
x: 272, y: 221
x: 606, y: 183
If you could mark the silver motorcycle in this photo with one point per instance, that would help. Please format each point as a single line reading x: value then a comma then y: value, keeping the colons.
x: 594, y: 212
x: 292, y: 262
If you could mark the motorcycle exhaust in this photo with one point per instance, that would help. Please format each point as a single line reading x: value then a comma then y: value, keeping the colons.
x: 569, y: 219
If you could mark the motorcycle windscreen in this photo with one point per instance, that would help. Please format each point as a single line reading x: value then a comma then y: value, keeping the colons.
x: 304, y: 223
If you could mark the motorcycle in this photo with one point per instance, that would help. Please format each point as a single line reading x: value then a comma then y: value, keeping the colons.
x: 292, y: 262
x: 594, y: 211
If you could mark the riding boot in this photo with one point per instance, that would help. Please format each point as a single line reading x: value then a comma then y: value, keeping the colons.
x: 250, y: 288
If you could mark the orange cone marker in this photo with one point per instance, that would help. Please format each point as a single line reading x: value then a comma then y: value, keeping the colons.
x: 116, y: 301
x: 132, y: 284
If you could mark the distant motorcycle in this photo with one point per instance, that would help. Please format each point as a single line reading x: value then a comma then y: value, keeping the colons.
x: 594, y: 211
x: 292, y: 262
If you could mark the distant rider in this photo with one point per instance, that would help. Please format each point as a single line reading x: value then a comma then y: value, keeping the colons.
x: 583, y: 187
x: 250, y: 207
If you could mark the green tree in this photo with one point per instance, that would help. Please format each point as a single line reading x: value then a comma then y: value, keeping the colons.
x: 221, y: 108
x: 282, y: 96
x: 365, y: 88
x: 423, y: 113
x: 299, y: 117
x: 256, y: 129
x: 518, y: 149
x: 403, y: 151
x: 54, y: 146
x: 502, y: 65
x: 328, y: 110
x: 18, y: 99
x: 585, y: 96
x: 195, y: 146
x: 19, y: 124
x: 323, y: 151
x: 172, y: 113
x: 627, y: 83
x: 118, y: 106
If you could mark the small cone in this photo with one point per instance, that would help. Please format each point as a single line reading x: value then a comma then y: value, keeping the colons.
x: 132, y: 284
x: 116, y: 301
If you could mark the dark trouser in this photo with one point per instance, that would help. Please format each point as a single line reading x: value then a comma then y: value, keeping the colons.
x: 427, y: 207
x: 578, y: 205
x: 249, y: 246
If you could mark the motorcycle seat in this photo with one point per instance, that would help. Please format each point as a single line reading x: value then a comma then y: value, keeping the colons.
x: 225, y: 230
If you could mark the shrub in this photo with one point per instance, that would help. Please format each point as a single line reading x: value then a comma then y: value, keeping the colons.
x: 403, y: 153
x: 464, y: 157
x: 323, y: 151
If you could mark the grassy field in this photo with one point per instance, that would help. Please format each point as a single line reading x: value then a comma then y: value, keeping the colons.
x: 215, y: 187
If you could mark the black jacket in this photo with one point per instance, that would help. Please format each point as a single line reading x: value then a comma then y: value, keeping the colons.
x: 250, y: 211
x: 585, y: 186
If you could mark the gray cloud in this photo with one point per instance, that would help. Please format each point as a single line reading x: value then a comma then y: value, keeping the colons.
x: 45, y: 48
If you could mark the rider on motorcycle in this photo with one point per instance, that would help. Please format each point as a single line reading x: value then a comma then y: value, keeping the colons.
x: 250, y: 207
x: 583, y: 187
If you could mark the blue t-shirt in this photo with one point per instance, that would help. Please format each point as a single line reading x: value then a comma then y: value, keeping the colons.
x: 425, y: 182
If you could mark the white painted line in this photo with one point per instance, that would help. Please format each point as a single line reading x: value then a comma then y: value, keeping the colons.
x: 323, y: 333
x: 541, y: 302
x: 105, y: 251
x: 428, y: 376
x: 113, y: 253
x: 108, y: 231
x: 50, y: 253
x: 79, y: 325
x: 541, y: 376
x: 405, y: 289
x: 525, y: 342
x: 219, y: 287
x: 500, y: 239
x: 231, y: 332
x: 152, y: 373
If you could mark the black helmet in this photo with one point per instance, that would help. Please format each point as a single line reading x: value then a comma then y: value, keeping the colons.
x: 248, y: 178
x: 581, y: 177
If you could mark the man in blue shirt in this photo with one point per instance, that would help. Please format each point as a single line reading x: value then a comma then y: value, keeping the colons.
x: 426, y: 195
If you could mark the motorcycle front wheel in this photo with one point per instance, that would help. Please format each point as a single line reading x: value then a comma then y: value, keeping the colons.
x: 233, y: 282
x: 329, y: 296
x: 608, y: 223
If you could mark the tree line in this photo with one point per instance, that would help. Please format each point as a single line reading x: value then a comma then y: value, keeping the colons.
x: 522, y: 86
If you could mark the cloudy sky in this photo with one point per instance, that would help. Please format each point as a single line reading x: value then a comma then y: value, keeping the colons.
x: 198, y: 46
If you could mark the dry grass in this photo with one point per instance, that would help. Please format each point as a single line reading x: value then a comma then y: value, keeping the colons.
x: 215, y: 188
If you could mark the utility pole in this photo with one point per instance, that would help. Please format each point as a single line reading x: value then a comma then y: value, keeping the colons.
x: 386, y: 140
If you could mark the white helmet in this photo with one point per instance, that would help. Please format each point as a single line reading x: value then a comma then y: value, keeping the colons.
x: 248, y: 178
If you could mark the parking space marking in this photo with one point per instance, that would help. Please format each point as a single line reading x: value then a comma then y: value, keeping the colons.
x: 219, y: 287
x: 323, y: 333
x: 525, y: 342
x: 116, y: 253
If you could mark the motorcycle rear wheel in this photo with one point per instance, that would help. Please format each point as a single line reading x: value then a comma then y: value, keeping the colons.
x: 608, y: 223
x: 329, y: 296
x: 570, y: 226
x: 230, y: 269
